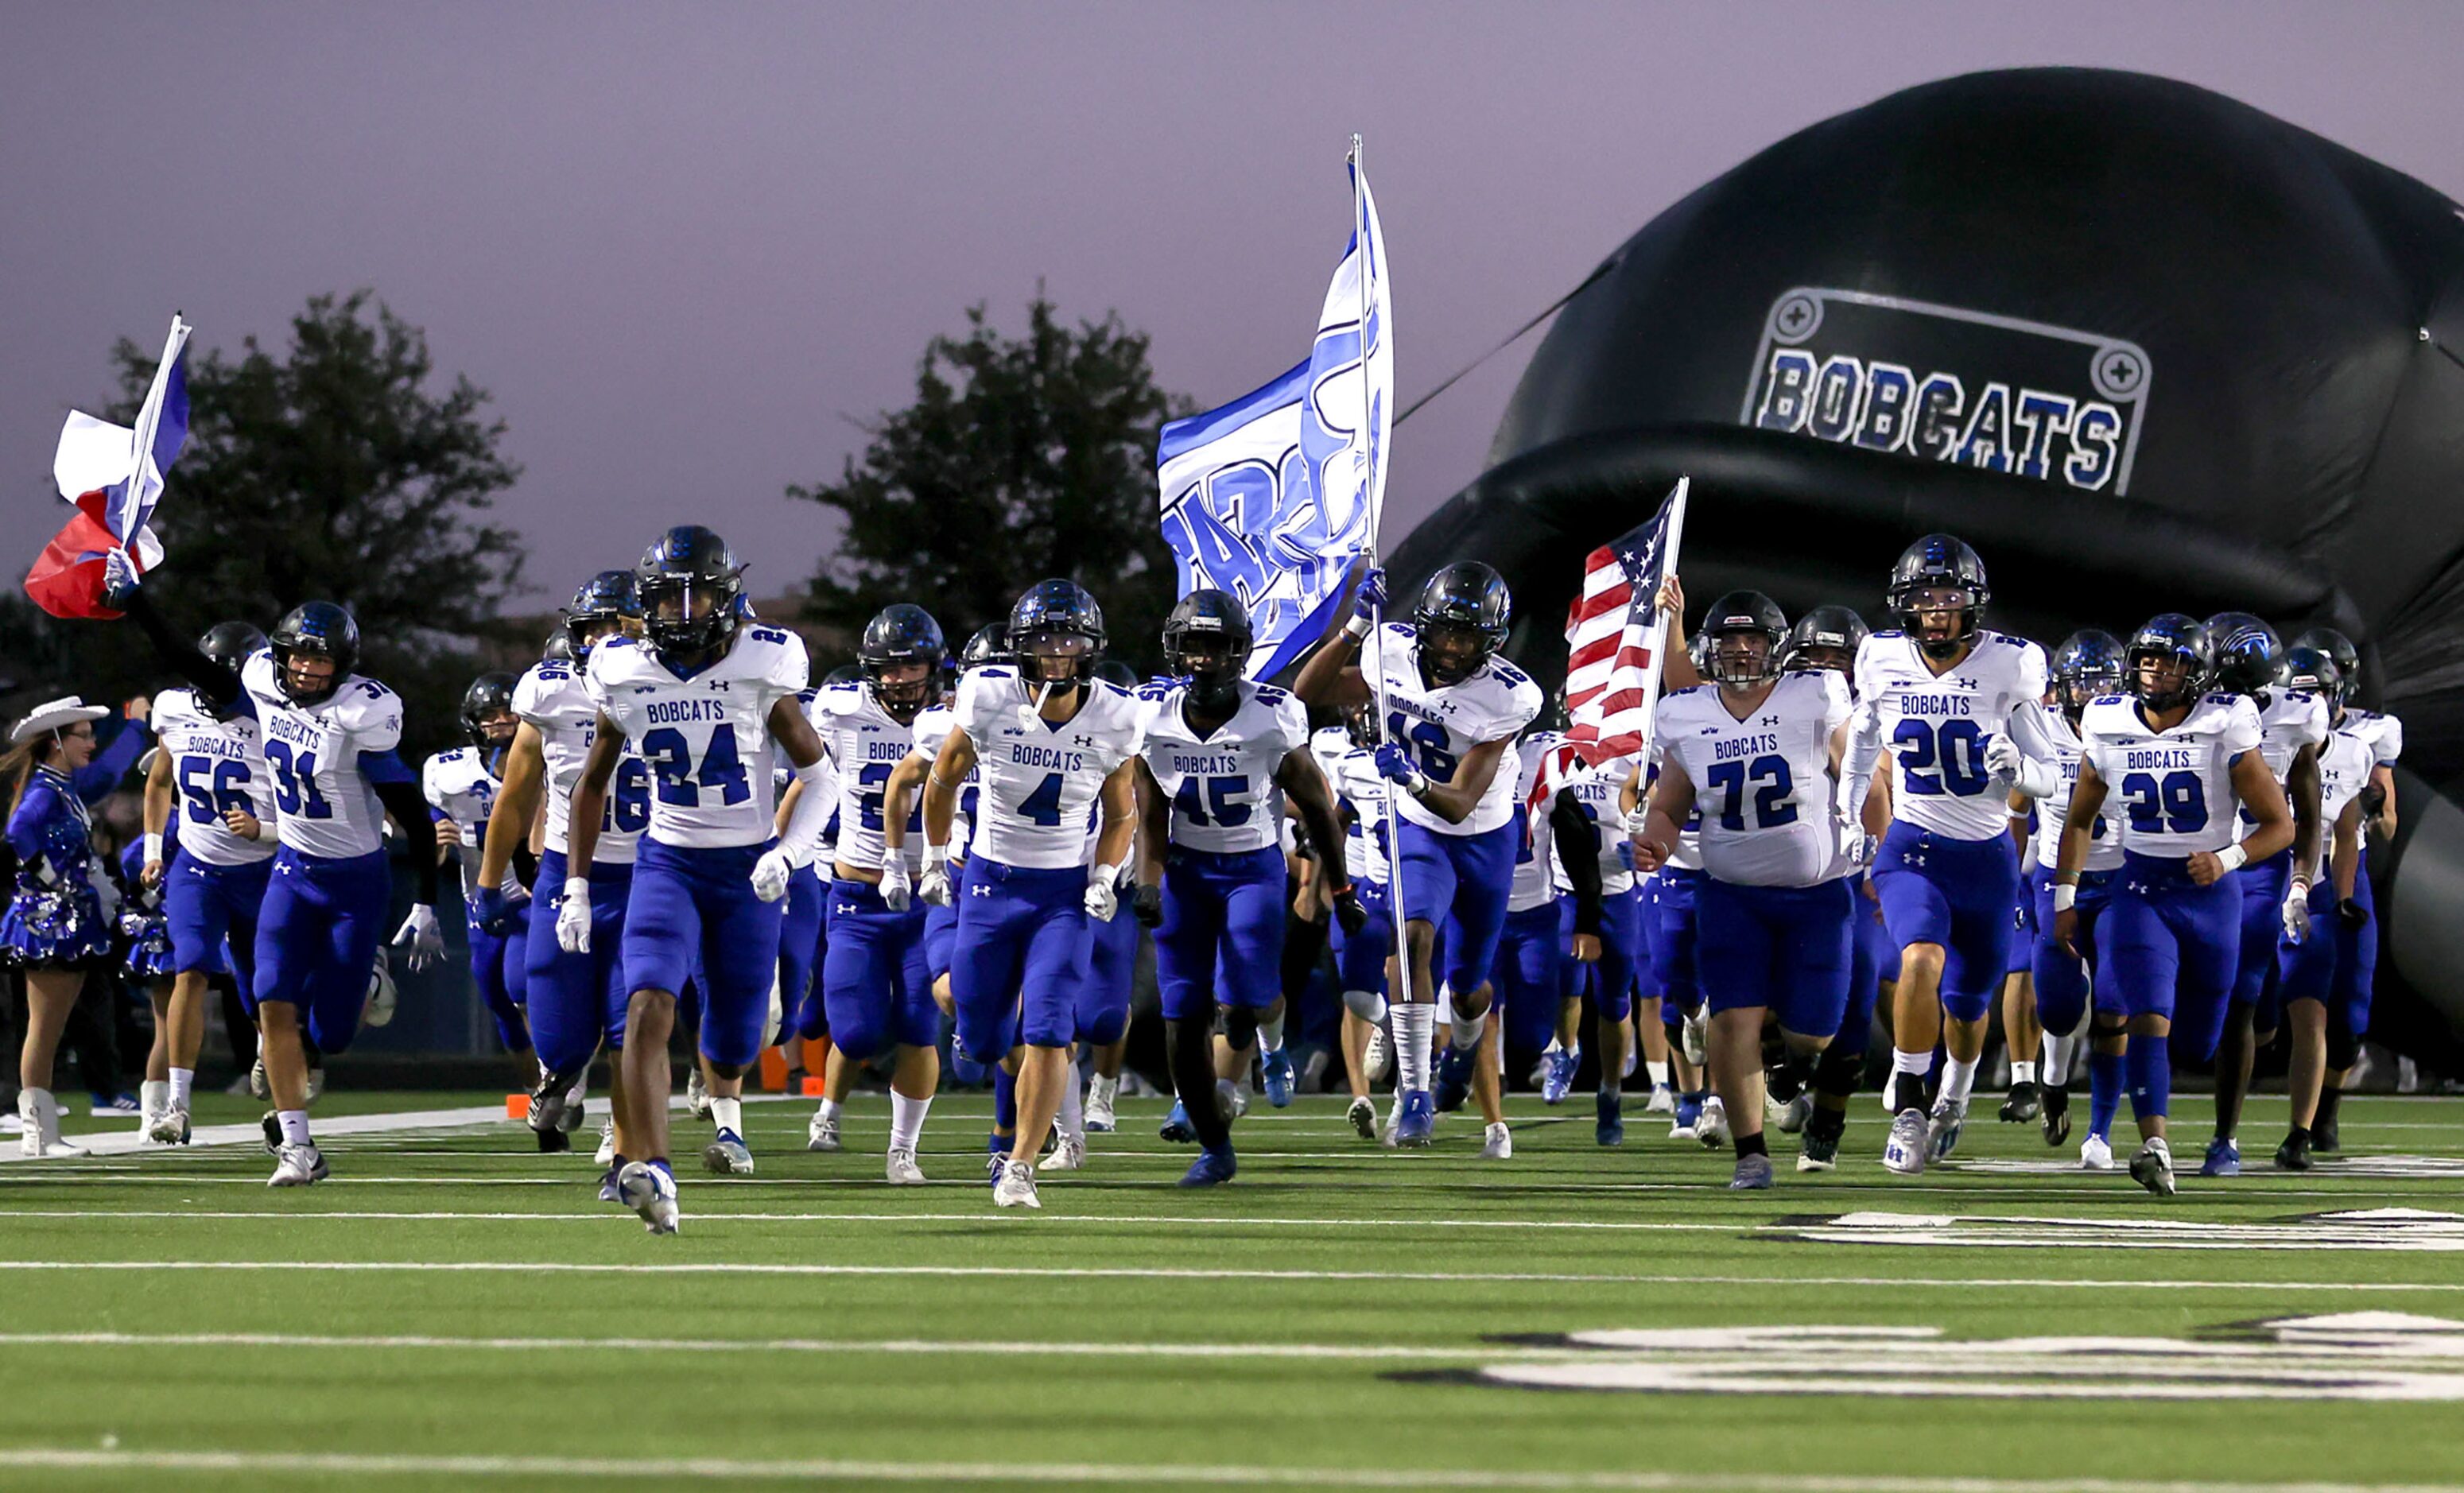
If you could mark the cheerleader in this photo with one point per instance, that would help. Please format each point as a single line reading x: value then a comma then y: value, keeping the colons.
x: 55, y: 929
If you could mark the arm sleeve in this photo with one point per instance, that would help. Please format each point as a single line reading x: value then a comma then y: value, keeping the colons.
x: 26, y: 826
x: 215, y: 684
x: 99, y: 777
x: 2035, y: 740
x: 1578, y: 852
x: 401, y: 798
x: 1864, y: 755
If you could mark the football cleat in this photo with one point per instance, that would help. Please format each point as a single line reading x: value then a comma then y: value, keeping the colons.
x: 115, y: 1104
x: 607, y: 1191
x: 1175, y: 1127
x: 1453, y: 1083
x: 1662, y: 1100
x: 1687, y: 1115
x: 1792, y: 1119
x: 1904, y: 1152
x: 696, y: 1096
x: 2323, y: 1137
x: 2153, y: 1167
x: 2022, y: 1105
x: 1068, y: 1154
x: 1942, y: 1128
x: 822, y: 1132
x: 1379, y: 1057
x: 1497, y: 1144
x: 650, y: 1192
x: 901, y: 1170
x: 2223, y: 1159
x: 1230, y: 1101
x: 2057, y: 1125
x: 1210, y: 1169
x: 269, y: 1125
x: 297, y: 1166
x: 1275, y: 1073
x: 1559, y: 1076
x: 1363, y: 1116
x: 606, y: 1155
x: 1419, y: 1117
x: 2294, y: 1155
x: 1817, y: 1152
x: 1102, y: 1094
x: 548, y: 1118
x: 1608, y: 1123
x: 2096, y: 1154
x: 1016, y: 1188
x: 727, y: 1156
x: 1754, y: 1174
x: 1695, y: 1034
x: 170, y: 1127
x: 1711, y: 1131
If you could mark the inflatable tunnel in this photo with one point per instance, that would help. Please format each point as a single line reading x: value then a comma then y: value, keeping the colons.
x: 2145, y: 347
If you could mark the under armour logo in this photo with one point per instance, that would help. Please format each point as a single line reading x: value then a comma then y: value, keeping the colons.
x: 980, y: 892
x: 847, y: 908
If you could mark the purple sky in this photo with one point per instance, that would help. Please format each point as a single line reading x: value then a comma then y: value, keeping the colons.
x: 683, y: 244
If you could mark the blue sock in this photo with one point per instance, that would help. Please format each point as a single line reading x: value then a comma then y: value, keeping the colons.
x: 662, y: 1164
x: 1004, y: 1102
x: 2151, y: 1075
x: 2105, y: 1089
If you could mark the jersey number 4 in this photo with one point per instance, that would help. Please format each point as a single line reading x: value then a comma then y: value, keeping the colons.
x: 722, y: 770
x: 1946, y: 758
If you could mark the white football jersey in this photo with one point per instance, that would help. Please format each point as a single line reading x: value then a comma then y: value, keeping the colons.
x: 2384, y: 734
x: 1042, y: 779
x: 707, y: 737
x: 216, y: 764
x: 1763, y: 784
x: 2175, y: 786
x: 553, y: 697
x: 323, y: 799
x: 2345, y: 761
x: 1223, y: 786
x: 1535, y: 849
x: 459, y: 787
x: 933, y: 727
x: 1602, y: 792
x: 1440, y: 726
x: 2105, y: 843
x: 1351, y: 772
x: 1935, y: 727
x: 2289, y: 720
x: 1687, y: 856
x: 866, y: 745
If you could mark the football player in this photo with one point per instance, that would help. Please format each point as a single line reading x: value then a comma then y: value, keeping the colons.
x: 875, y: 984
x: 1101, y: 1018
x: 1604, y: 797
x: 1530, y: 951
x: 328, y: 737
x: 1347, y: 756
x: 900, y: 804
x: 1219, y: 757
x: 2087, y: 667
x: 702, y: 697
x: 1452, y: 710
x: 461, y: 786
x: 2324, y: 1002
x: 210, y: 774
x: 1055, y: 745
x: 1959, y: 709
x: 2292, y: 726
x: 2181, y: 759
x: 1758, y: 751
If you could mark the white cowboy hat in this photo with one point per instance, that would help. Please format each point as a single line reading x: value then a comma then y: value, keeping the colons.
x: 54, y: 714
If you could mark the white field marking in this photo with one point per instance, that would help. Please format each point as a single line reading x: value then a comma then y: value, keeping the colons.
x: 133, y: 1141
x: 1467, y: 1353
x: 610, y: 1216
x: 2371, y: 1229
x: 1120, y: 1272
x: 674, y: 1469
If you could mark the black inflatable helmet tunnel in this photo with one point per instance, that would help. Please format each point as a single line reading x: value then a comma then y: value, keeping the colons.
x: 2145, y: 347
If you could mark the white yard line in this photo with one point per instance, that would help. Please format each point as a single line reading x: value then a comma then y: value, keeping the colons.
x: 848, y: 1470
x: 971, y: 1219
x: 1467, y: 1352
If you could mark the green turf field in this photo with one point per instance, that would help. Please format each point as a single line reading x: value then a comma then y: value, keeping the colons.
x: 454, y: 1306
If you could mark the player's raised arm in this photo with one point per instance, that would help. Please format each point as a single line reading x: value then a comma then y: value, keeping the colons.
x: 1330, y: 678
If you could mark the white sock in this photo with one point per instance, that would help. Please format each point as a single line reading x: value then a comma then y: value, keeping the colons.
x: 2023, y: 1072
x: 154, y: 1095
x: 1464, y: 1031
x: 728, y: 1114
x: 1367, y: 1004
x: 1241, y: 1086
x: 1106, y: 1087
x: 581, y: 1089
x: 1416, y: 1033
x: 1957, y: 1079
x: 1270, y: 1035
x: 2058, y: 1059
x: 295, y: 1126
x: 1659, y: 1072
x: 1225, y: 1090
x: 1072, y: 1118
x: 826, y: 1109
x: 1555, y: 1046
x: 906, y: 1120
x: 1920, y: 1063
x: 183, y: 1083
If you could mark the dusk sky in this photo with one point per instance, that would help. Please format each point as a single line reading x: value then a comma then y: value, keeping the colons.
x: 686, y: 246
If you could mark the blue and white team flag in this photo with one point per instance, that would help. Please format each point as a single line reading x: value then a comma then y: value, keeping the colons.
x: 113, y: 476
x: 1275, y: 496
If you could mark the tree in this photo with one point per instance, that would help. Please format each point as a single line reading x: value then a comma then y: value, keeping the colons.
x: 1020, y: 459
x: 340, y: 470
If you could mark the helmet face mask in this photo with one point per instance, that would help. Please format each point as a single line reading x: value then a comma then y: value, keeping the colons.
x: 1055, y: 656
x: 315, y: 647
x: 609, y: 604
x: 901, y: 654
x: 1825, y: 638
x: 1461, y: 619
x: 1938, y: 593
x: 989, y: 645
x: 1360, y: 725
x: 1207, y: 639
x: 230, y: 643
x: 488, y: 712
x: 691, y: 592
x: 2169, y: 661
x: 1451, y: 652
x: 1743, y: 658
x: 1057, y: 632
x: 1743, y: 633
x: 2087, y: 667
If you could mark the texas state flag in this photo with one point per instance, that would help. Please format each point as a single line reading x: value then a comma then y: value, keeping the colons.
x: 113, y: 474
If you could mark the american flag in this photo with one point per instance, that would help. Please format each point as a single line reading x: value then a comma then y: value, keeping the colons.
x: 1612, y: 636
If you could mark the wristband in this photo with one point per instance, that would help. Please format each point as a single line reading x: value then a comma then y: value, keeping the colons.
x: 936, y: 854
x: 578, y: 887
x: 2065, y: 896
x: 1356, y: 628
x: 2233, y: 857
x: 2300, y: 886
x: 153, y: 848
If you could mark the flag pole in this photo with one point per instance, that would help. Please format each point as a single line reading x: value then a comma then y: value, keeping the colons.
x: 1659, y: 619
x: 1376, y: 618
x: 149, y: 417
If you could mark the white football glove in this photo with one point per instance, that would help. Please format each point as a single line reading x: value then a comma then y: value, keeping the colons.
x: 2297, y: 913
x: 422, y: 936
x: 770, y: 874
x: 934, y: 885
x: 897, y: 890
x: 1103, y: 891
x: 2002, y: 757
x: 573, y: 916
